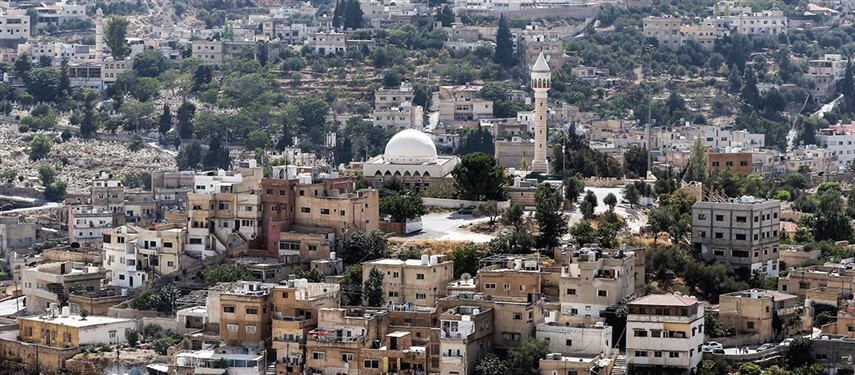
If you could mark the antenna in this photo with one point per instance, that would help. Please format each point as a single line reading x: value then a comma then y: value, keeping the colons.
x: 465, y: 276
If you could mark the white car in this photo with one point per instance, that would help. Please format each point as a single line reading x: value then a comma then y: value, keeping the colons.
x: 711, y: 346
x: 786, y: 342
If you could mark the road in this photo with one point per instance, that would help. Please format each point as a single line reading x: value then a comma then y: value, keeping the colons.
x: 446, y: 226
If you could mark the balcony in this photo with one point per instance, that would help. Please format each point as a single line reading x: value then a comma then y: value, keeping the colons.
x: 453, y: 359
x: 292, y: 322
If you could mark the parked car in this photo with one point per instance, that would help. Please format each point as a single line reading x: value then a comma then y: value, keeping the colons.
x: 786, y: 342
x: 718, y: 351
x: 711, y: 346
x: 468, y: 210
x: 765, y: 347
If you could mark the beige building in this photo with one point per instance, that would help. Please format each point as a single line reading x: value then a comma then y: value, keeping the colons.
x: 60, y: 329
x: 403, y: 116
x: 465, y: 337
x: 385, y: 98
x: 327, y: 43
x: 86, y: 224
x: 336, y: 345
x: 664, y: 29
x: 209, y: 51
x: 576, y: 339
x: 743, y: 233
x: 831, y: 278
x: 245, y: 315
x: 596, y: 279
x: 463, y: 103
x: 51, y: 283
x: 295, y: 313
x: 665, y: 334
x: 135, y: 256
x: 413, y: 281
x: 752, y: 313
x: 557, y: 364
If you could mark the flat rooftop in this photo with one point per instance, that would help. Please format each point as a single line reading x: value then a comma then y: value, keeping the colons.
x: 77, y: 320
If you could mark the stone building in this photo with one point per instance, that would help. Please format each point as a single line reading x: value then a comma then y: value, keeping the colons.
x: 412, y: 282
x: 665, y: 334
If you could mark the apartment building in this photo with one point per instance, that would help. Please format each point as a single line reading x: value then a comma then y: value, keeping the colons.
x: 742, y: 232
x: 736, y: 162
x: 51, y: 283
x: 809, y: 157
x: 327, y: 43
x: 666, y: 30
x: 107, y: 193
x: 555, y: 364
x: 295, y: 314
x: 60, y: 329
x: 419, y: 282
x: 135, y: 256
x: 530, y: 44
x: 831, y: 279
x: 766, y: 23
x: 307, y: 213
x: 664, y: 334
x: 576, y: 339
x: 59, y: 13
x: 385, y: 98
x: 838, y: 139
x: 465, y: 337
x: 704, y: 35
x: 753, y: 313
x: 509, y: 278
x: 245, y: 315
x: 209, y: 51
x: 845, y: 324
x: 140, y: 207
x: 336, y: 346
x: 596, y: 279
x: 463, y: 103
x: 827, y: 71
x: 219, y: 360
x: 14, y: 26
x: 404, y: 116
x: 87, y: 224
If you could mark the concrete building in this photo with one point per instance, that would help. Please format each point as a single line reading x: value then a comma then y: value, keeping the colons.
x: 327, y: 43
x: 412, y: 282
x: 14, y: 26
x: 465, y: 337
x: 336, y: 346
x: 385, y: 98
x: 664, y: 334
x: 826, y: 72
x: 833, y: 279
x: 135, y: 256
x: 405, y: 116
x: 463, y: 103
x: 60, y: 329
x: 752, y: 313
x: 541, y: 81
x: 737, y: 162
x: 531, y: 44
x: 596, y: 279
x: 766, y: 23
x: 838, y: 139
x: 666, y: 30
x: 576, y: 339
x: 556, y: 364
x: 509, y: 278
x: 295, y: 314
x: 245, y: 316
x: 51, y: 283
x: 221, y: 360
x: 87, y: 224
x: 742, y: 233
x: 411, y: 157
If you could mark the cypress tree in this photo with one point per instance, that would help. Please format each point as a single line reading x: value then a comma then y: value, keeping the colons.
x: 504, y: 54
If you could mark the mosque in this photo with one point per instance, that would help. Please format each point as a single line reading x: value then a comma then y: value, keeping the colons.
x: 411, y: 157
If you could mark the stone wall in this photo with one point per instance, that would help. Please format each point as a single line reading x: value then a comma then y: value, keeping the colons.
x: 457, y: 203
x: 44, y: 359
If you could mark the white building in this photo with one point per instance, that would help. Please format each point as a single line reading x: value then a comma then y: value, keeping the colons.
x: 766, y: 23
x: 825, y: 72
x: 327, y: 43
x: 575, y: 339
x: 387, y: 98
x: 14, y: 26
x: 236, y: 361
x: 839, y: 140
x: 63, y: 328
x: 405, y: 116
x: 665, y: 331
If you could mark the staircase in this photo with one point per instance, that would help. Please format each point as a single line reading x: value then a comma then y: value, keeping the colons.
x: 620, y: 365
x: 271, y: 369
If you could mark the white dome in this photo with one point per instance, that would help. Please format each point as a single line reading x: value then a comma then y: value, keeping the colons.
x: 410, y: 146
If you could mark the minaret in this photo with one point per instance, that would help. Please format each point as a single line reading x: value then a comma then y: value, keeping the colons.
x: 541, y: 81
x: 99, y: 35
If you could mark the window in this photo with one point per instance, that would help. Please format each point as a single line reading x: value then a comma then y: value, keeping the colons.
x: 640, y: 353
x: 318, y: 356
x: 489, y: 286
x: 602, y: 293
x: 325, y: 211
x: 420, y: 276
x: 702, y: 216
x: 674, y: 355
x: 233, y: 327
x: 229, y: 309
x: 195, y: 241
x: 289, y: 245
x: 507, y: 286
x: 305, y: 210
x: 640, y: 333
x: 749, y: 325
x: 740, y: 237
x: 393, y: 294
x: 250, y: 329
x: 421, y: 296
x: 167, y: 244
x: 719, y: 235
x: 517, y: 316
x: 313, y: 247
x: 347, y: 357
x: 568, y: 342
x: 719, y: 217
x: 741, y: 219
x: 739, y: 253
x: 571, y: 291
x: 657, y: 354
x: 371, y: 363
x: 252, y: 311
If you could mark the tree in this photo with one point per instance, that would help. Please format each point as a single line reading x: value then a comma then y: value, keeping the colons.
x: 364, y: 246
x: 630, y: 192
x: 799, y: 353
x: 635, y: 159
x: 164, y: 124
x: 185, y: 115
x: 190, y: 157
x: 136, y: 143
x: 846, y: 87
x: 611, y: 201
x: 217, y: 156
x: 403, y: 207
x: 351, y: 15
x: 513, y: 216
x: 479, y: 177
x: 583, y: 232
x: 525, y: 359
x: 591, y: 201
x: 372, y: 290
x: 491, y: 364
x: 697, y: 168
x: 202, y: 76
x: 392, y: 79
x: 88, y: 126
x: 42, y: 84
x: 750, y: 94
x: 145, y: 88
x: 226, y: 272
x: 257, y: 140
x: 46, y: 175
x: 40, y: 147
x: 466, y: 258
x: 445, y: 15
x: 150, y: 64
x: 550, y: 218
x: 337, y: 15
x: 114, y: 37
x: 23, y: 65
x: 133, y: 337
x: 64, y: 84
x: 573, y: 187
x: 504, y: 53
x: 489, y: 209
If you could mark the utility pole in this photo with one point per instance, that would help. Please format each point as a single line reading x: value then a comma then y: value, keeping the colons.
x: 647, y: 135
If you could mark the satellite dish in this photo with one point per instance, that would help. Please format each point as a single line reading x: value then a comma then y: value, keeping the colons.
x: 466, y: 277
